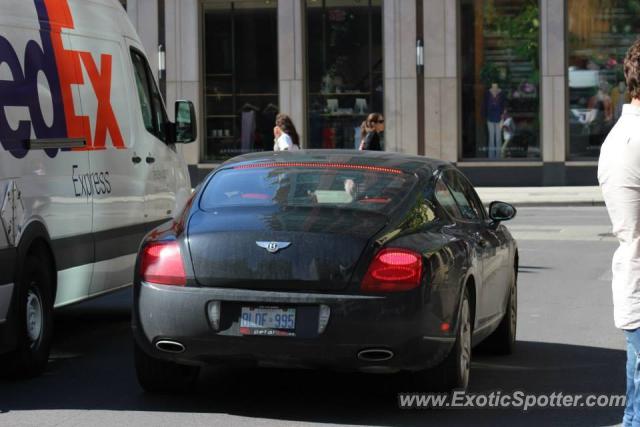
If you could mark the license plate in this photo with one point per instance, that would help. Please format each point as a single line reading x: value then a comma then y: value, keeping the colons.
x: 269, y: 321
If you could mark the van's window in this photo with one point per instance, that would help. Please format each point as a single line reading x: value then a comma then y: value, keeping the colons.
x: 142, y: 85
x: 158, y: 108
x: 153, y: 112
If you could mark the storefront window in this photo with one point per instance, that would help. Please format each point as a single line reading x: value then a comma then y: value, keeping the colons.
x: 241, y: 77
x: 600, y: 32
x: 344, y: 59
x: 500, y: 79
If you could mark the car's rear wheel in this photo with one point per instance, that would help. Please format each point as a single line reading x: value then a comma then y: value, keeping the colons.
x: 34, y: 320
x: 454, y: 372
x: 503, y: 339
x: 158, y: 376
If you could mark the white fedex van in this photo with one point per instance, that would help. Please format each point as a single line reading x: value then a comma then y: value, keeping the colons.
x: 88, y: 163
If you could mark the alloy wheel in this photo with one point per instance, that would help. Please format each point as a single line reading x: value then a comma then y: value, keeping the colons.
x: 465, y: 344
x: 513, y: 305
x: 35, y: 316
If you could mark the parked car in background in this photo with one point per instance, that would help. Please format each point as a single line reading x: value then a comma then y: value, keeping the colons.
x: 364, y: 261
x: 88, y: 163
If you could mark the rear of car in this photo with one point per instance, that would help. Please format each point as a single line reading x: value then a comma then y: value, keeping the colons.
x: 281, y: 263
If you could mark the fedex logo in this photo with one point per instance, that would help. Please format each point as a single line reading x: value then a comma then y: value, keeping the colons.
x: 62, y: 68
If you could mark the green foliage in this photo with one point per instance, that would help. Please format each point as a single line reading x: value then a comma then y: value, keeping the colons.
x: 520, y: 32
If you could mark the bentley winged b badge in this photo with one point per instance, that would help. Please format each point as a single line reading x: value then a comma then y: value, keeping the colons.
x: 273, y: 247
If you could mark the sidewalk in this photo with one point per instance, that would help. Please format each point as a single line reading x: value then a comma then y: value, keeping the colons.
x: 543, y: 196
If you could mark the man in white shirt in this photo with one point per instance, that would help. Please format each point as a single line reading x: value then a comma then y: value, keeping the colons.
x: 619, y: 178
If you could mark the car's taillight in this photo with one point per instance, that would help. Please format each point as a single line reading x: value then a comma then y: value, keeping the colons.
x: 393, y: 270
x: 161, y: 263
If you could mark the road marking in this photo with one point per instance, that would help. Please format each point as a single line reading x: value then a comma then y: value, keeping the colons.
x: 595, y: 233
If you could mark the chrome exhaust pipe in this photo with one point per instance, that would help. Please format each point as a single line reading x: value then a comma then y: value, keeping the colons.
x: 375, y: 355
x: 170, y: 346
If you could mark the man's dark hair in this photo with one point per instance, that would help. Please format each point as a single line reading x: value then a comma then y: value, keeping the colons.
x: 632, y: 69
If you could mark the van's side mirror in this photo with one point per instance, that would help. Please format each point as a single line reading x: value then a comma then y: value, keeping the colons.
x: 186, y: 129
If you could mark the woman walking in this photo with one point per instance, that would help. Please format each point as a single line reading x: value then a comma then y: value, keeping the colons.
x: 286, y: 136
x: 370, y: 132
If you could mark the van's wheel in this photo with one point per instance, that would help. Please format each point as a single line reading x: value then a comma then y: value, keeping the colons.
x: 34, y: 319
x: 503, y: 339
x: 454, y: 371
x: 162, y: 376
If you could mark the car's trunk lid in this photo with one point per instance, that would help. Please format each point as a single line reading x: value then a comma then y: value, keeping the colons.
x: 228, y: 246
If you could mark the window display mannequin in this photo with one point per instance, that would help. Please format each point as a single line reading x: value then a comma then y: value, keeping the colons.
x: 494, y: 103
x: 508, y: 132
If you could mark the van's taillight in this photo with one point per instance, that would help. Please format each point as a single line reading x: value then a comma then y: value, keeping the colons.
x: 162, y: 264
x: 393, y: 270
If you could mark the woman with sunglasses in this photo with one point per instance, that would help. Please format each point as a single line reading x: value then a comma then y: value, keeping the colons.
x: 370, y: 132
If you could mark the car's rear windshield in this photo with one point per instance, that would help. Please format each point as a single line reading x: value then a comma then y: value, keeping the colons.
x: 342, y: 186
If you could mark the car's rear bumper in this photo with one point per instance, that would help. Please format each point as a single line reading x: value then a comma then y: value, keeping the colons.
x: 401, y: 323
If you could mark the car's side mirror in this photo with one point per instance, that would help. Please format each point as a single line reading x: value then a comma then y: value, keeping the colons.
x: 501, y: 211
x: 186, y: 129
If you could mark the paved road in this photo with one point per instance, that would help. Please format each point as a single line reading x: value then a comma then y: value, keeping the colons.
x: 567, y: 343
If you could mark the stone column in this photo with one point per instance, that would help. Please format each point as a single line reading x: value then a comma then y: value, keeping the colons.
x: 291, y: 63
x: 442, y: 110
x: 144, y: 16
x: 400, y: 76
x: 132, y: 11
x: 553, y: 84
x: 182, y: 26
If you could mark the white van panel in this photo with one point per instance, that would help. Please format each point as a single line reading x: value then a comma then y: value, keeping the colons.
x: 72, y: 284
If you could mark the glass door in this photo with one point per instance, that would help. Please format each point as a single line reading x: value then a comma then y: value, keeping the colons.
x: 344, y: 59
x: 241, y: 77
x: 499, y: 42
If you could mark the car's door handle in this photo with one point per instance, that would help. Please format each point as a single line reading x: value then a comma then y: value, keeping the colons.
x: 150, y: 160
x: 136, y: 159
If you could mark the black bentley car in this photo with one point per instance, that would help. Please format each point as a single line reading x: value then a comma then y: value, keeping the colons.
x: 367, y: 261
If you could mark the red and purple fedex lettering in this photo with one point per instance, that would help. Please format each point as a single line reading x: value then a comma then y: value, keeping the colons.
x: 62, y: 69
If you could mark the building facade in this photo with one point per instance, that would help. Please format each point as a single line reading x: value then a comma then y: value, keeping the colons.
x: 515, y: 92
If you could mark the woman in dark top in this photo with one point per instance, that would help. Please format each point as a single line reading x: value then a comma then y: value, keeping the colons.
x: 370, y: 130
